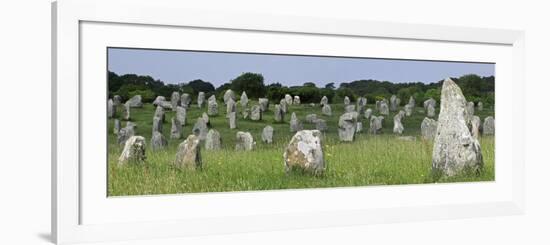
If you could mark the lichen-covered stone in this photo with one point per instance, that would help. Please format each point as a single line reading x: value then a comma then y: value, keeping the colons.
x: 135, y: 101
x: 347, y: 124
x: 213, y: 140
x: 134, y: 151
x: 200, y: 99
x: 176, y: 129
x: 376, y: 124
x: 455, y: 149
x: 327, y: 111
x: 212, y: 107
x: 305, y: 152
x: 175, y: 99
x: 397, y: 125
x: 244, y: 141
x: 229, y: 94
x: 267, y: 134
x: 279, y: 114
x: 200, y: 128
x: 264, y: 104
x: 295, y: 124
x: 256, y: 113
x: 188, y: 155
x: 428, y: 128
x: 158, y: 141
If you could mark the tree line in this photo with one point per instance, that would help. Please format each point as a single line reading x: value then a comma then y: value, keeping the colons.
x: 474, y: 87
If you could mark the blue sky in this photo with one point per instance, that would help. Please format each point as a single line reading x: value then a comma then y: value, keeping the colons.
x: 183, y: 66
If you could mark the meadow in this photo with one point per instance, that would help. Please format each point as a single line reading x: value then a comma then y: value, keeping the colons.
x: 369, y: 160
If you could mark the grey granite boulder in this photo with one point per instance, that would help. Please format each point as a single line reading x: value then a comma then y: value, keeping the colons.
x: 135, y: 101
x: 347, y: 124
x: 376, y: 123
x: 305, y: 152
x: 158, y: 141
x: 200, y: 128
x: 181, y: 115
x: 428, y: 128
x: 295, y: 124
x: 158, y: 100
x: 327, y: 111
x: 256, y: 113
x: 267, y: 134
x: 321, y: 125
x: 310, y: 118
x: 200, y: 99
x: 383, y: 108
x: 244, y: 141
x: 213, y: 140
x: 176, y: 129
x: 175, y: 99
x: 134, y: 151
x: 188, y: 155
x: 229, y: 94
x: 116, y: 126
x: 244, y: 100
x: 279, y: 114
x: 346, y: 100
x: 455, y: 149
x: 212, y: 107
x: 126, y: 111
x: 296, y: 100
x: 475, y: 126
x: 288, y: 99
x: 159, y: 112
x: 397, y: 125
x: 233, y: 120
x: 324, y: 101
x: 368, y: 113
x: 111, y: 109
x: 264, y: 104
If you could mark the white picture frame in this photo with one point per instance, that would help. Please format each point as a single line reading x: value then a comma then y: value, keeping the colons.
x: 70, y: 198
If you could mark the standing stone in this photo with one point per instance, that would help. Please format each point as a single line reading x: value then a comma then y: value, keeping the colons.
x: 361, y: 105
x: 189, y: 153
x: 397, y: 125
x: 233, y: 120
x: 111, y: 109
x: 489, y: 126
x: 288, y: 99
x: 134, y: 151
x: 470, y: 110
x: 321, y: 125
x: 200, y: 99
x: 159, y: 112
x: 310, y: 118
x: 347, y: 126
x: 428, y: 128
x: 454, y: 147
x: 246, y: 113
x: 256, y: 113
x: 157, y: 125
x: 212, y: 107
x: 206, y: 118
x: 359, y: 127
x: 408, y: 110
x: 175, y: 99
x: 159, y: 99
x: 305, y: 152
x: 384, y: 110
x: 244, y: 141
x: 376, y: 124
x: 175, y: 130
x: 264, y: 104
x: 166, y: 105
x: 327, y: 111
x: 377, y: 106
x: 200, y: 128
x: 267, y: 134
x: 283, y: 105
x: 349, y: 108
x: 430, y: 110
x: 475, y: 126
x: 296, y: 100
x: 346, y: 101
x: 279, y: 114
x: 212, y: 98
x: 125, y: 133
x: 412, y: 102
x: 244, y: 100
x: 181, y: 115
x: 229, y: 94
x: 135, y: 101
x: 428, y: 102
x: 116, y: 126
x: 324, y: 101
x: 126, y: 111
x: 213, y: 140
x: 158, y: 142
x: 394, y: 103
x: 230, y: 106
x: 185, y: 100
x: 480, y: 106
x: 117, y: 100
x: 295, y: 124
x: 368, y: 113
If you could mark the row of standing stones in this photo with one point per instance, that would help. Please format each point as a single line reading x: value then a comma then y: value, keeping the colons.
x: 455, y: 134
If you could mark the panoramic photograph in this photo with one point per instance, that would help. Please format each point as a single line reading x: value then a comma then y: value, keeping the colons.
x: 182, y: 121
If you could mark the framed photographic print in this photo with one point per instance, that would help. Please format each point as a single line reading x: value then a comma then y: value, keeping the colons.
x: 184, y: 122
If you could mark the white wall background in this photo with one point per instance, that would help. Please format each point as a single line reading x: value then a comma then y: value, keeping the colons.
x: 25, y: 122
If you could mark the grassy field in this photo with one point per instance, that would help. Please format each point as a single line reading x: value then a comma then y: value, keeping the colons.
x: 370, y: 160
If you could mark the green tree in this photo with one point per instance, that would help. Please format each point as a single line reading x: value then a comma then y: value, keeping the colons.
x: 251, y: 83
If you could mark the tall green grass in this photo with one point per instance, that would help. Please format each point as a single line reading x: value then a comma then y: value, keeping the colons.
x: 369, y: 160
